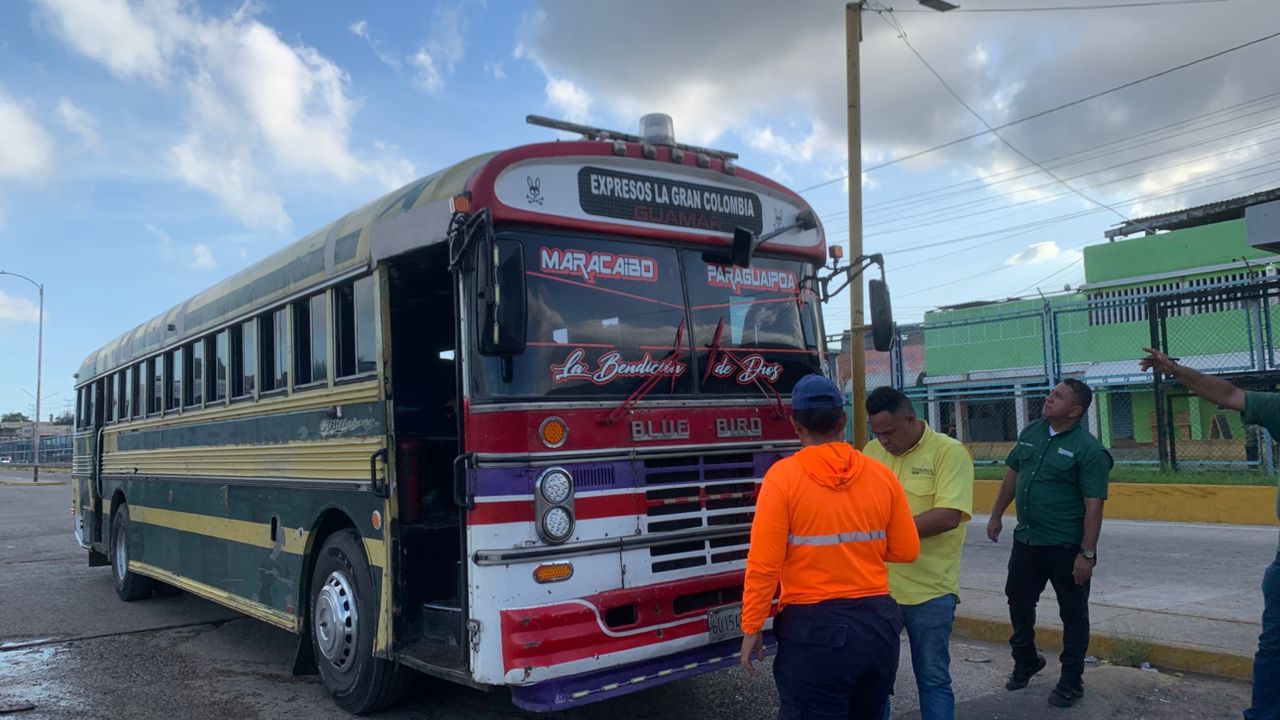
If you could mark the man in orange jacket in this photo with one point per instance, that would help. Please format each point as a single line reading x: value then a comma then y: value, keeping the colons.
x: 827, y: 520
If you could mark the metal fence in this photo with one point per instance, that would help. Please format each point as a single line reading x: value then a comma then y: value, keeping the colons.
x: 981, y: 372
x: 54, y: 450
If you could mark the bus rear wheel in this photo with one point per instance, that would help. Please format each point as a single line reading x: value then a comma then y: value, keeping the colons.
x: 130, y: 586
x: 343, y: 622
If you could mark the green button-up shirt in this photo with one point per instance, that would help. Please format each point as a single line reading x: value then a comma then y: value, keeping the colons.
x: 1263, y: 408
x: 1055, y: 475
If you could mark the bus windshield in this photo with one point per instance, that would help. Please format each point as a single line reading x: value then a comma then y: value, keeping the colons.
x: 606, y: 316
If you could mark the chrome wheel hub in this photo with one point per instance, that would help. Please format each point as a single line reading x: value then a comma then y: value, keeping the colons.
x: 337, y: 621
x: 122, y: 556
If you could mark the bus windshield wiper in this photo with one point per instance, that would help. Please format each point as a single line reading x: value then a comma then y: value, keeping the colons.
x: 779, y: 409
x: 651, y: 381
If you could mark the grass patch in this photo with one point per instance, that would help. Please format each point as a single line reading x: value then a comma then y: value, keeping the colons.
x: 1125, y: 474
x: 1131, y: 648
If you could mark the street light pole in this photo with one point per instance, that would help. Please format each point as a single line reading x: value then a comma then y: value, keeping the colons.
x: 857, y: 329
x: 857, y: 322
x: 35, y: 458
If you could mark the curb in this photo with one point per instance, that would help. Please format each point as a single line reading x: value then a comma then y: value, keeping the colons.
x: 28, y: 483
x: 1170, y: 656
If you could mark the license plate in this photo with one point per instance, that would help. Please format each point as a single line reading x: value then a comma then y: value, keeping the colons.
x: 725, y: 623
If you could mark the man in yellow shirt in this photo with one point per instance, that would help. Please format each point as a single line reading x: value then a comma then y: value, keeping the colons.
x: 937, y: 473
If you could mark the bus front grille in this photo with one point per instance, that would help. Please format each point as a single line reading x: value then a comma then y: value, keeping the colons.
x: 700, y: 492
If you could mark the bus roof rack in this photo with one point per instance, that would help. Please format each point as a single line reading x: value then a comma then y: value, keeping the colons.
x: 594, y: 133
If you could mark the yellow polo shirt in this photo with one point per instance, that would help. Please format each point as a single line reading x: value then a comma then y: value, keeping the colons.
x: 936, y: 473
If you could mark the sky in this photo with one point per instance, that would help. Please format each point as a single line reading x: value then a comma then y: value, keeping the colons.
x: 150, y: 148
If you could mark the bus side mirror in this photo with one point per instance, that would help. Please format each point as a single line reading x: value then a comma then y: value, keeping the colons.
x: 882, y: 331
x: 500, y: 298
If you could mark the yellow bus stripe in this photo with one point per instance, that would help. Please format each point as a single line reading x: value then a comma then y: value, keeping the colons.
x: 241, y: 531
x: 235, y: 602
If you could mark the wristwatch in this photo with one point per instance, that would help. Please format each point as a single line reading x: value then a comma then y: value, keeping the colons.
x: 1090, y: 555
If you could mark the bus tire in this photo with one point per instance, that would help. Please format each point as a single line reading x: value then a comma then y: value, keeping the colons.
x: 343, y: 621
x: 130, y: 586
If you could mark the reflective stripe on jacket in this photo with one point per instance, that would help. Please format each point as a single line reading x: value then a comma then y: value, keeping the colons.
x: 827, y: 520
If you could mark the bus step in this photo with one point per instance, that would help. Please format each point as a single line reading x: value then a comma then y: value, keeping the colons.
x: 442, y: 624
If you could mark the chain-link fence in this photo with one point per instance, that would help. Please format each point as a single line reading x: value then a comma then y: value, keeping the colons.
x: 981, y: 372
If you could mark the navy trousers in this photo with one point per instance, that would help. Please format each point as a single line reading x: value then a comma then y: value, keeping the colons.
x: 837, y: 659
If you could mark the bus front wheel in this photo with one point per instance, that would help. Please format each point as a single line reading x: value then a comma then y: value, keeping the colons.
x: 130, y: 586
x: 343, y: 623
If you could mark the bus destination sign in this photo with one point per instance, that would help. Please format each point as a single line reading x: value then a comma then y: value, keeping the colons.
x: 645, y: 198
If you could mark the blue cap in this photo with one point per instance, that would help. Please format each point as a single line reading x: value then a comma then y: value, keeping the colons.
x: 815, y: 391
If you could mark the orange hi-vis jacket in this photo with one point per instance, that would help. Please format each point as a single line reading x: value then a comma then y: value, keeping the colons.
x: 827, y: 520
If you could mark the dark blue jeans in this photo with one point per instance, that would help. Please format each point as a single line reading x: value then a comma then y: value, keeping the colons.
x: 1266, y: 663
x: 929, y: 631
x: 837, y: 659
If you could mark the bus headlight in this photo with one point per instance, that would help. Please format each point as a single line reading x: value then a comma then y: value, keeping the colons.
x: 556, y: 486
x: 553, y: 500
x: 557, y: 525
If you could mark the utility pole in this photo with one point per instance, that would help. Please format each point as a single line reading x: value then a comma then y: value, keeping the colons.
x: 857, y: 324
x: 35, y: 442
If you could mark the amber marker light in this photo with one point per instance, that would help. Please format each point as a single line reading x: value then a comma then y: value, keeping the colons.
x: 377, y: 520
x: 553, y: 572
x: 553, y: 432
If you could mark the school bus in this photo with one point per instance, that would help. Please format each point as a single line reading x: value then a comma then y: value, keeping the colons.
x: 504, y: 426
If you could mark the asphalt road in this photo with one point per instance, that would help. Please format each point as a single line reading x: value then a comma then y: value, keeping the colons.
x: 70, y: 649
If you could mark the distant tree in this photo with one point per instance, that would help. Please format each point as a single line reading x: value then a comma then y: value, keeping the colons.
x: 14, y: 417
x: 66, y: 418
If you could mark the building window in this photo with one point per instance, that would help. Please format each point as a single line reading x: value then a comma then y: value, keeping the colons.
x: 193, y: 371
x: 244, y: 359
x: 217, y: 352
x: 173, y: 371
x: 354, y: 342
x: 273, y: 337
x: 310, y: 318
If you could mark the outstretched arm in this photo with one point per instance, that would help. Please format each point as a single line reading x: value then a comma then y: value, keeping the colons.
x: 1214, y: 389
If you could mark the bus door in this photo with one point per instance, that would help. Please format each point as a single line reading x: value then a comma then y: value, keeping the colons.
x: 425, y: 405
x: 94, y: 455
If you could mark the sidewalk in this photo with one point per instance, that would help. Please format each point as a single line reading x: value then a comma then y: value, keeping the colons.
x: 1191, y: 591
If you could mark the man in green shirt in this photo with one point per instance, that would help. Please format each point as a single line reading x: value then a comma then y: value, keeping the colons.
x: 1263, y: 409
x: 1058, y: 474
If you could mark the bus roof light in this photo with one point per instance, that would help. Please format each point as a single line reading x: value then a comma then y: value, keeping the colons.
x: 657, y: 129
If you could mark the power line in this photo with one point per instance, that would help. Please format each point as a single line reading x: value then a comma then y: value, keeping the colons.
x: 1069, y: 8
x: 1057, y: 108
x: 1089, y: 153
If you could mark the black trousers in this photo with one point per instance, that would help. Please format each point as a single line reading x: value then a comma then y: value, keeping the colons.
x: 837, y: 659
x: 1030, y: 567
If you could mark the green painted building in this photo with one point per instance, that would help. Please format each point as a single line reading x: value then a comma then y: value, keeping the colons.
x: 987, y: 366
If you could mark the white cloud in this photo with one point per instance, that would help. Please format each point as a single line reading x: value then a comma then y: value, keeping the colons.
x: 195, y: 257
x: 202, y: 257
x: 1007, y: 67
x: 496, y: 70
x: 229, y: 175
x: 122, y: 37
x: 573, y: 102
x: 17, y: 309
x: 445, y: 47
x: 79, y: 122
x: 429, y: 77
x: 258, y: 108
x: 360, y: 28
x: 26, y: 150
x: 1042, y: 252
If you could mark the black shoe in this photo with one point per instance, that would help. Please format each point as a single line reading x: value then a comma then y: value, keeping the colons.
x: 1022, y: 674
x: 1065, y: 696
